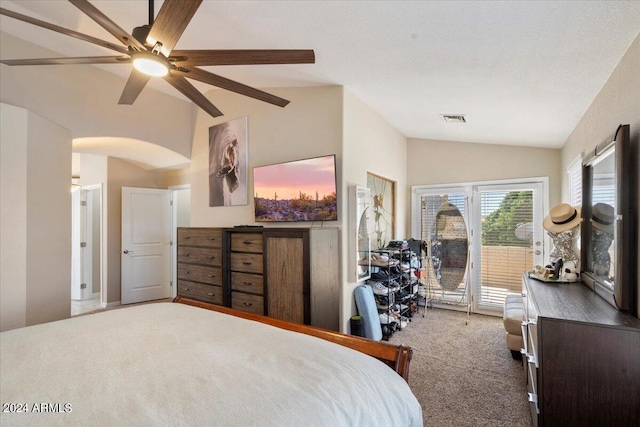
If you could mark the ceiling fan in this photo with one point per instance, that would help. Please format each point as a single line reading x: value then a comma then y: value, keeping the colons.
x: 150, y: 49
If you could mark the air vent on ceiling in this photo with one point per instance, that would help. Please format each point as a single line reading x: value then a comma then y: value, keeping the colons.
x: 453, y: 118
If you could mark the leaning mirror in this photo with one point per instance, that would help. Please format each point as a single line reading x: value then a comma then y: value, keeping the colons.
x: 609, y: 209
x: 361, y: 243
x: 449, y: 247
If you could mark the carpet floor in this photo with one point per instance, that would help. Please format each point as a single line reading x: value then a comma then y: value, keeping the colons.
x: 463, y: 375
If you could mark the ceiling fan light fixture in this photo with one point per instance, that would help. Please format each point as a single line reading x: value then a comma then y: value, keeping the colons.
x: 150, y: 64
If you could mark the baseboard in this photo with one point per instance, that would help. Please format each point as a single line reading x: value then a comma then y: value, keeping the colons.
x: 110, y: 304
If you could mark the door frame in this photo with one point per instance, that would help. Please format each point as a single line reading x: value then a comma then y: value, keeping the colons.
x: 101, y: 235
x: 84, y: 234
x: 476, y: 257
x: 174, y: 236
x: 469, y: 188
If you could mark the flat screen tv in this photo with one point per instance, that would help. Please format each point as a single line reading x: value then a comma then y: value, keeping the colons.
x: 301, y: 190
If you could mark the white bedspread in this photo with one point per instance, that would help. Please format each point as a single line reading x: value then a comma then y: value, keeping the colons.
x: 171, y: 364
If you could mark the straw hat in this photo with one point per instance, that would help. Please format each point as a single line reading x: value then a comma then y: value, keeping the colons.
x: 561, y: 218
x: 602, y: 216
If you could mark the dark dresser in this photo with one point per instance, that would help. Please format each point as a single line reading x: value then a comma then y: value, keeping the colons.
x: 582, y: 357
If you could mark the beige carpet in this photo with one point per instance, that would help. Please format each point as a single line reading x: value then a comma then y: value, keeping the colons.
x: 463, y: 375
x: 124, y: 306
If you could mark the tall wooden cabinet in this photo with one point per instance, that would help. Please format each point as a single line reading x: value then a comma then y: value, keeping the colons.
x: 287, y: 273
x: 582, y: 357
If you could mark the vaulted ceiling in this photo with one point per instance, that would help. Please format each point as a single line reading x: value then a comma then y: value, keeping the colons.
x: 522, y: 72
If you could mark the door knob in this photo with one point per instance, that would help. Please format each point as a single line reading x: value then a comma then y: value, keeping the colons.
x: 126, y: 251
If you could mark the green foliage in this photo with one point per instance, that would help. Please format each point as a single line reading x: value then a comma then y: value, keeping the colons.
x: 498, y: 228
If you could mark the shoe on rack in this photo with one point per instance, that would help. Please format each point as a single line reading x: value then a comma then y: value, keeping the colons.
x: 379, y: 288
x: 393, y: 286
x: 398, y: 308
x: 382, y: 306
x: 385, y: 319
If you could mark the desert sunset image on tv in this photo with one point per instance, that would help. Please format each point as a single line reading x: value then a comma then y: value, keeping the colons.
x: 302, y: 190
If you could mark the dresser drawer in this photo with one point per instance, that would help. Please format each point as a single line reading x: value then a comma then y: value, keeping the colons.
x: 246, y: 242
x: 199, y: 273
x: 200, y: 292
x: 209, y: 237
x: 244, y: 282
x: 246, y: 263
x: 209, y: 256
x: 247, y: 302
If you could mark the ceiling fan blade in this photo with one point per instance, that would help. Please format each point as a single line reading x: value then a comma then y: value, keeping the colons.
x: 137, y: 81
x: 242, y: 57
x: 63, y: 30
x: 192, y: 93
x: 172, y: 19
x: 69, y: 61
x: 92, y: 12
x: 233, y: 86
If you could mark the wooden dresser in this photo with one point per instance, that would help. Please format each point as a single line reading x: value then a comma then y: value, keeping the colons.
x: 200, y: 264
x: 289, y: 273
x: 244, y: 271
x: 582, y: 357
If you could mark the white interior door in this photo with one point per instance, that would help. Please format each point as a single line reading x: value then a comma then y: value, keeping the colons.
x: 79, y: 288
x: 146, y: 239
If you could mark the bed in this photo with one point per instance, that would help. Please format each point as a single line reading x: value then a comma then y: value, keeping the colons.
x: 189, y: 363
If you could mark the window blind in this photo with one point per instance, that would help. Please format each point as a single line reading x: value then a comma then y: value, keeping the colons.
x: 574, y: 173
x: 507, y: 244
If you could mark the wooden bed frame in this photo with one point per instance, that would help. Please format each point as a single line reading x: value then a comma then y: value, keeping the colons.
x: 398, y: 357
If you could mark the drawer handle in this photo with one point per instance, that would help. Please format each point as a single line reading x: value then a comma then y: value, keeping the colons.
x: 186, y: 254
x: 247, y: 242
x: 211, y: 238
x: 187, y: 272
x: 187, y: 237
x: 212, y: 257
x: 211, y: 294
x: 186, y: 289
x: 246, y: 263
x: 248, y: 283
x: 248, y: 304
x: 211, y: 276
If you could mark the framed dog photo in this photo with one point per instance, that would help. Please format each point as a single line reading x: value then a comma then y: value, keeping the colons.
x: 229, y: 163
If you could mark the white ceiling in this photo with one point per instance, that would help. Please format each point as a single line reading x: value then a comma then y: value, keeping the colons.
x: 523, y: 73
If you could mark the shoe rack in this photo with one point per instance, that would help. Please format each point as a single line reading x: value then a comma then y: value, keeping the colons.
x: 395, y: 287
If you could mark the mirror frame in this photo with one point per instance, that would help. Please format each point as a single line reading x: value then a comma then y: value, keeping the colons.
x: 623, y: 295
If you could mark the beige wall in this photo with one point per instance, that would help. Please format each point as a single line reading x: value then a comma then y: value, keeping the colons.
x: 176, y: 177
x: 617, y: 103
x: 13, y: 217
x: 84, y: 99
x: 48, y: 221
x: 446, y: 162
x: 36, y: 219
x: 310, y: 126
x: 370, y: 144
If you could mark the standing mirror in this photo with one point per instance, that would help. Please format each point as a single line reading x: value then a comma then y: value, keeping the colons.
x: 609, y: 209
x: 360, y: 200
x: 449, y: 247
